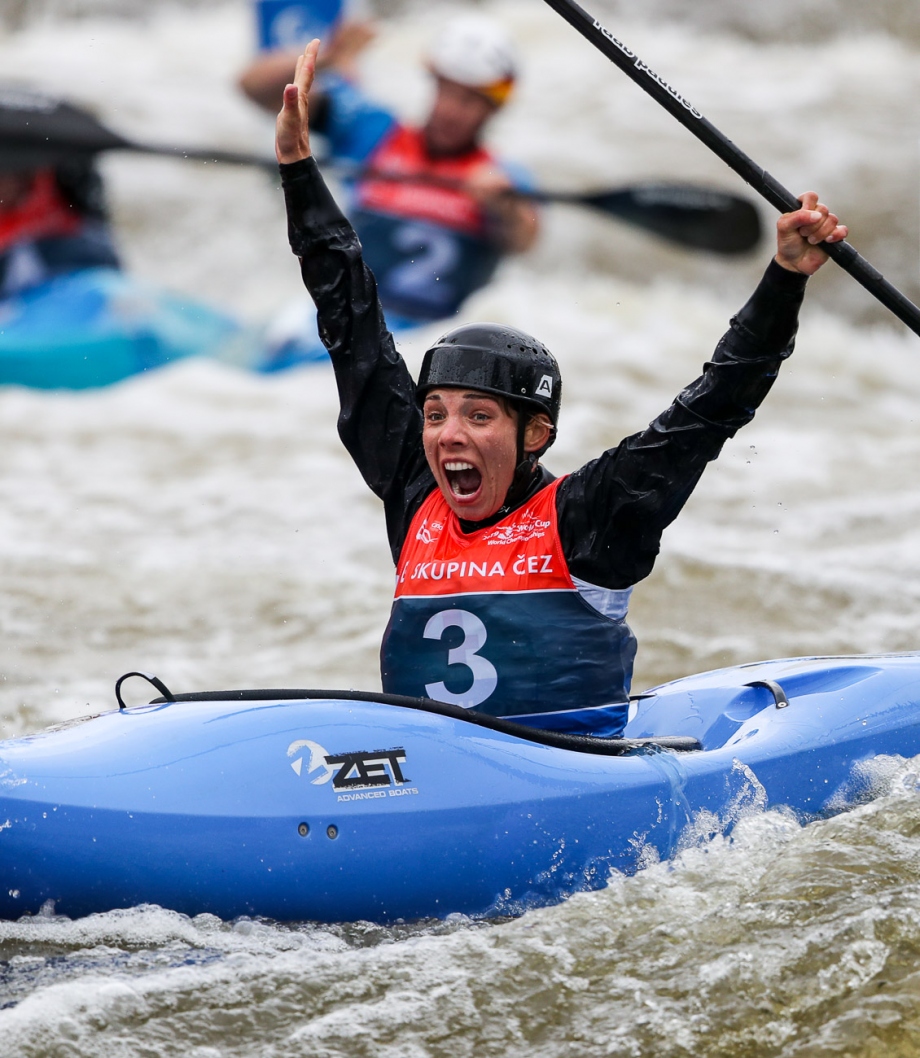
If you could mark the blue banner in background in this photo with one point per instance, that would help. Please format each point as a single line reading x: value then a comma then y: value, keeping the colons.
x: 291, y: 23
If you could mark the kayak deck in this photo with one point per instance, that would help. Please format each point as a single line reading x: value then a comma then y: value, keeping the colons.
x: 339, y: 808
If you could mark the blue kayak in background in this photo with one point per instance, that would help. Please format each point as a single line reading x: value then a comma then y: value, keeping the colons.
x: 335, y: 806
x: 99, y: 326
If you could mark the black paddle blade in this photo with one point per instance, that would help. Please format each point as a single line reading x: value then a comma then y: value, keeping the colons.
x: 701, y: 218
x: 38, y: 130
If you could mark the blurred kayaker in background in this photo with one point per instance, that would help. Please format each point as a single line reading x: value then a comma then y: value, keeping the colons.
x: 512, y: 585
x: 434, y: 208
x: 53, y: 221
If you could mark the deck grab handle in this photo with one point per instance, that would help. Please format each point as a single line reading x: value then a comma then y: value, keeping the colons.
x: 779, y: 695
x: 150, y: 678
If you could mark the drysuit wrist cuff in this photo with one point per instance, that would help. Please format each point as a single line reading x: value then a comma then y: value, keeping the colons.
x: 311, y: 209
x: 768, y: 322
x: 784, y: 281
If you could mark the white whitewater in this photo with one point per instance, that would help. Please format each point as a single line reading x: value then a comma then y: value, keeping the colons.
x: 205, y: 524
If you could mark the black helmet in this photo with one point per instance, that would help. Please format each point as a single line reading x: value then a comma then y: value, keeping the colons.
x: 495, y: 359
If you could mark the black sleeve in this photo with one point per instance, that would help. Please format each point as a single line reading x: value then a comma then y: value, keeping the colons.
x: 380, y: 422
x: 613, y: 511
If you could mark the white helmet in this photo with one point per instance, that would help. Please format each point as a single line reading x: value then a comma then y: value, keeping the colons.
x: 475, y: 51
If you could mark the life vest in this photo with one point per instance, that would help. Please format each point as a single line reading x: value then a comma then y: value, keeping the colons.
x: 426, y: 240
x: 435, y: 196
x: 41, y: 214
x: 494, y: 621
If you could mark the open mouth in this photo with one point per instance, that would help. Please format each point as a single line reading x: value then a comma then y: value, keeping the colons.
x: 463, y: 479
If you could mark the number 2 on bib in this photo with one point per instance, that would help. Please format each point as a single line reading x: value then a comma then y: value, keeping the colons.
x: 426, y: 274
x: 485, y: 677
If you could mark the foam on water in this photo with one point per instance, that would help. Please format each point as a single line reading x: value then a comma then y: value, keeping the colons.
x: 206, y: 524
x: 777, y: 940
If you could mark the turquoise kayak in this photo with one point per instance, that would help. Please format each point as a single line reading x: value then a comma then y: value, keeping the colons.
x: 345, y: 805
x: 98, y: 326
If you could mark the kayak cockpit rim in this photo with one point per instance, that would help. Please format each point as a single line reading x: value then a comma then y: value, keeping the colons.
x: 611, y: 747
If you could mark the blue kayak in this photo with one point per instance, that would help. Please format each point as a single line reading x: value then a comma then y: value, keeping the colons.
x: 98, y: 326
x: 336, y: 806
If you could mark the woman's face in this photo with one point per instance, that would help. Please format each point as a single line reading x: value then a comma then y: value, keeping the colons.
x: 470, y: 441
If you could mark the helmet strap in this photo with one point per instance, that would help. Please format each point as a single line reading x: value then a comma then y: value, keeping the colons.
x: 523, y: 420
x: 525, y: 469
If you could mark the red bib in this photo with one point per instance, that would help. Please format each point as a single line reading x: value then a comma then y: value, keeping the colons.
x: 519, y: 553
x: 493, y: 621
x: 403, y: 155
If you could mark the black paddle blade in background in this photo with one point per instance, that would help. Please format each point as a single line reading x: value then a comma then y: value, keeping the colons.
x: 700, y: 218
x: 38, y: 130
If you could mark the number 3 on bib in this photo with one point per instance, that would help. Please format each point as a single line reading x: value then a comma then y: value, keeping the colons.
x: 485, y: 677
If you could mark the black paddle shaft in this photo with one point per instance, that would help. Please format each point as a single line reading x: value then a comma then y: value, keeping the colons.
x: 759, y: 179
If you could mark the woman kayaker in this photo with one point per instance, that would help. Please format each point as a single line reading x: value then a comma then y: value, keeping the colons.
x: 512, y: 586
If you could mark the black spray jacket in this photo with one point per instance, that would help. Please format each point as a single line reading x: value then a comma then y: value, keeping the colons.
x: 614, y: 509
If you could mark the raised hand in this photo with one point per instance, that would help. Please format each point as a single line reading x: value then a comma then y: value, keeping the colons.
x: 292, y: 129
x: 799, y: 235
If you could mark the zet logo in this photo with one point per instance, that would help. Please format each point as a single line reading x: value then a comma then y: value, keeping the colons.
x: 545, y: 387
x: 318, y: 759
x: 359, y: 770
x: 364, y: 769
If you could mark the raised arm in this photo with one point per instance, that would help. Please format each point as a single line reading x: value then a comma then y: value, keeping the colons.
x: 614, y: 510
x: 380, y: 422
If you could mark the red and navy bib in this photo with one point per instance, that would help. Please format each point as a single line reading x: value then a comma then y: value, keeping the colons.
x: 425, y: 237
x: 404, y: 180
x: 494, y: 621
